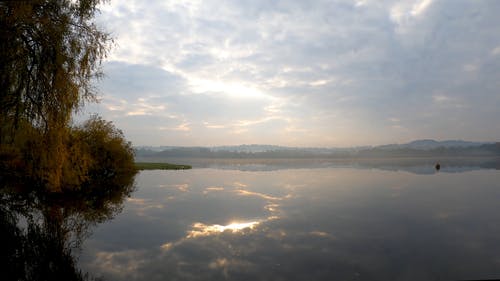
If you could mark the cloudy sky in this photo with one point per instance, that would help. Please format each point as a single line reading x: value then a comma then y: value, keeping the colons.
x: 301, y: 73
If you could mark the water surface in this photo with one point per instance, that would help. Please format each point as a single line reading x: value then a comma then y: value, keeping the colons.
x: 329, y: 223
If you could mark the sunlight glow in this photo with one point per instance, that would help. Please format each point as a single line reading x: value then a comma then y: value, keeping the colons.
x: 420, y: 7
x: 261, y: 195
x: 230, y: 88
x: 201, y: 229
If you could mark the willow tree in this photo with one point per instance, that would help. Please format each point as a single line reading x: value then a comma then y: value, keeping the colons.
x: 50, y: 51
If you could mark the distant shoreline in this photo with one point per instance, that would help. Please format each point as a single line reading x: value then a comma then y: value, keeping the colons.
x: 417, y: 165
x: 160, y: 166
x: 412, y: 150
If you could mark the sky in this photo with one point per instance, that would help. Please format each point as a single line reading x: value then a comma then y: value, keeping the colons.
x: 322, y: 73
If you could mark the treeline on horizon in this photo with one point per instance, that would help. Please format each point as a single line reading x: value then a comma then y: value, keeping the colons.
x: 484, y: 150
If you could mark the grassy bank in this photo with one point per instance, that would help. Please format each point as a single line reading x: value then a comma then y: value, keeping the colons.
x: 160, y: 166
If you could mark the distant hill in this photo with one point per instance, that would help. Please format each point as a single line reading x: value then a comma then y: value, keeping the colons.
x: 432, y: 144
x: 417, y: 148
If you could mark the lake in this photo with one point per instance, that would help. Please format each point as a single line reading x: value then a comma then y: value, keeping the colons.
x: 340, y: 222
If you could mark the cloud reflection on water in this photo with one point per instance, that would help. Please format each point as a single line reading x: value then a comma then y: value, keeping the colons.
x: 212, y: 189
x: 321, y: 224
x: 201, y: 229
x: 251, y: 193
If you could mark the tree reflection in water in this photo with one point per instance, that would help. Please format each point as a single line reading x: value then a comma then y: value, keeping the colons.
x: 40, y: 232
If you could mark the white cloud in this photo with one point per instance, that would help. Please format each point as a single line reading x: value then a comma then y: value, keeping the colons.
x: 404, y: 11
x: 419, y: 7
x: 496, y: 51
x: 261, y: 71
x: 441, y: 98
x: 183, y: 127
x: 471, y: 67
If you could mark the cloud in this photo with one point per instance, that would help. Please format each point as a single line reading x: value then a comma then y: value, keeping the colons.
x: 326, y: 73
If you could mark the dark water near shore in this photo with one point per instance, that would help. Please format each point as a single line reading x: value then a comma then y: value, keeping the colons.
x: 327, y: 223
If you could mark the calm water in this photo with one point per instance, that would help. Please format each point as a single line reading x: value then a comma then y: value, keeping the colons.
x: 328, y: 223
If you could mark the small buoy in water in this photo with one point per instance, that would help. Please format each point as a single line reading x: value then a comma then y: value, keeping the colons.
x: 438, y: 166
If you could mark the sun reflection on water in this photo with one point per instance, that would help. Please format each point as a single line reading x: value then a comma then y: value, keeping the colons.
x: 201, y: 229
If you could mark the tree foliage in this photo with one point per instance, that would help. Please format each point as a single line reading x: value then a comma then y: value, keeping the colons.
x: 50, y: 53
x: 93, y: 152
x: 109, y: 152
